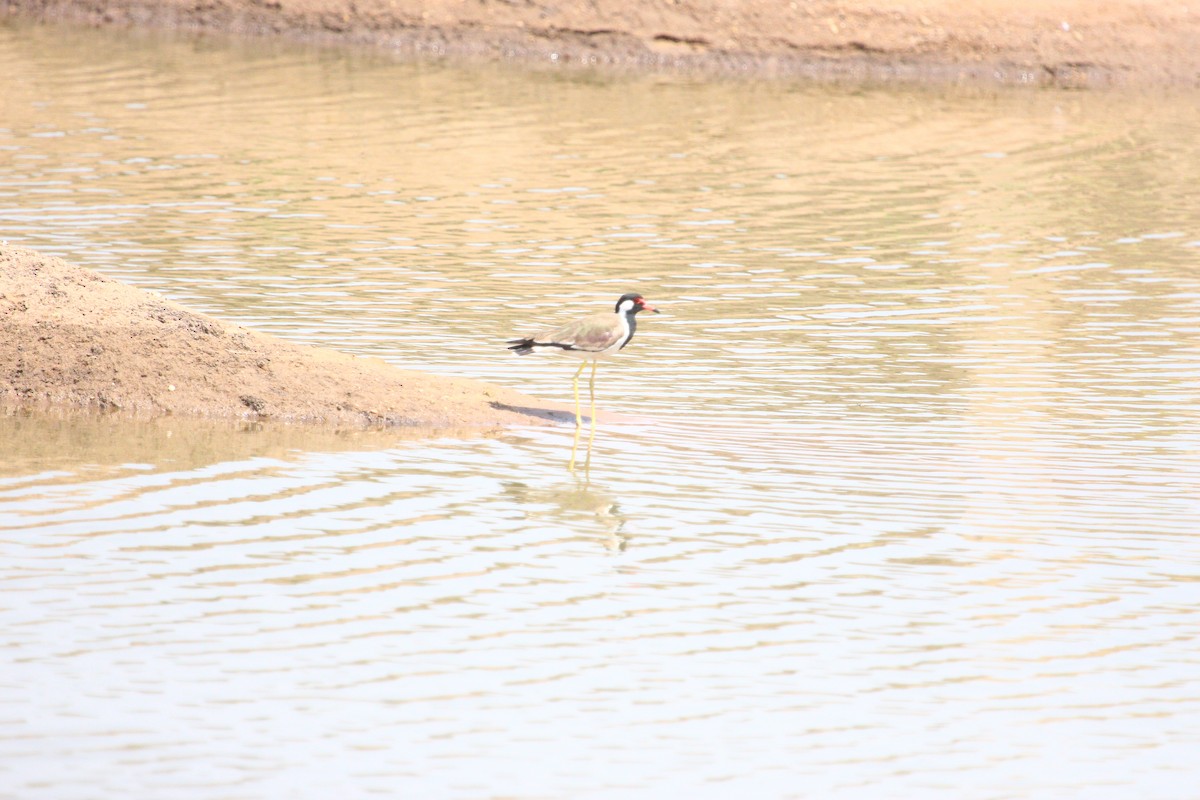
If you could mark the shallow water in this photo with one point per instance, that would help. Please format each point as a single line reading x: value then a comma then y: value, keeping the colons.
x: 903, y: 502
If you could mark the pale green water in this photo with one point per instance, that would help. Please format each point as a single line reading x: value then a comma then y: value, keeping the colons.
x: 908, y: 508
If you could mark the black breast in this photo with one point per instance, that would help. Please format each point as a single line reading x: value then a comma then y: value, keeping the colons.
x: 632, y: 320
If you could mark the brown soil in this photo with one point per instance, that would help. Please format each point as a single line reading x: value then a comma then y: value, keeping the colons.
x: 1041, y: 42
x: 72, y: 338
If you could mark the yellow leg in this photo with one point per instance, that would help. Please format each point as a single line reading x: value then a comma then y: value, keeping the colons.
x: 592, y: 384
x: 575, y: 383
x: 578, y: 416
x: 574, y: 448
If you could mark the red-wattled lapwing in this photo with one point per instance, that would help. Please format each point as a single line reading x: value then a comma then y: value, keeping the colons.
x: 590, y: 338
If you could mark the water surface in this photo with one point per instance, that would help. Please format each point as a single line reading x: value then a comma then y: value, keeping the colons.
x: 903, y: 503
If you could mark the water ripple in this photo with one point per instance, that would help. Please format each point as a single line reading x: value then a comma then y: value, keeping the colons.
x: 898, y: 500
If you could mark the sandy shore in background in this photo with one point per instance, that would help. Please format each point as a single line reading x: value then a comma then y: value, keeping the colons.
x: 71, y: 338
x: 1078, y: 43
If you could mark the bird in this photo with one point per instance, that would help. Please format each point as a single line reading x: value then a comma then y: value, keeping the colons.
x: 590, y: 338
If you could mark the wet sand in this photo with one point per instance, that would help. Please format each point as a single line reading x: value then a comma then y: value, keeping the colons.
x: 1071, y: 43
x: 72, y: 339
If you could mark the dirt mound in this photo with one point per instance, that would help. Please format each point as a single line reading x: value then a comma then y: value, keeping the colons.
x: 72, y: 338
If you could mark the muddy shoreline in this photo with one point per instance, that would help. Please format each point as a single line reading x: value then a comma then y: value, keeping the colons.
x: 74, y: 340
x: 1063, y: 43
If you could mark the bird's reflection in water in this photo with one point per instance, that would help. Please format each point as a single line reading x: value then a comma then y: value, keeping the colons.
x: 602, y: 508
x: 587, y: 461
x: 571, y: 501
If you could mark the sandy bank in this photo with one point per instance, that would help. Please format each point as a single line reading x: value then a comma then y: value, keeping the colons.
x: 72, y: 338
x: 1078, y: 43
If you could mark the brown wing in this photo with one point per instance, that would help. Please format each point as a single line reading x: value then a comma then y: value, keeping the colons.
x: 594, y: 333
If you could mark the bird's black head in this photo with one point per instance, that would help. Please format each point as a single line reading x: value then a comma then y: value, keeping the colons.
x: 632, y: 303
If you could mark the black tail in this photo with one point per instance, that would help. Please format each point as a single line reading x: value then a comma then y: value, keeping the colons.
x: 521, y: 347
